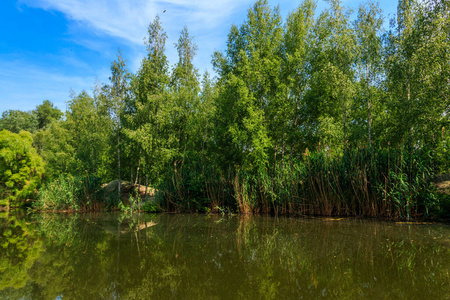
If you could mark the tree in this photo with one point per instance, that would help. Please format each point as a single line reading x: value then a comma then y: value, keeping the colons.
x: 417, y: 72
x: 369, y: 57
x: 247, y: 113
x: 202, y: 125
x: 329, y: 98
x: 45, y: 113
x: 89, y: 128
x: 17, y: 120
x: 21, y: 168
x: 146, y: 120
x: 55, y: 145
x: 185, y: 104
x: 118, y: 92
x: 295, y: 76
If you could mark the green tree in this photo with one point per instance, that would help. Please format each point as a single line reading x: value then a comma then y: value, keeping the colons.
x: 203, y: 126
x: 368, y: 27
x: 17, y: 120
x: 54, y: 143
x: 21, y: 168
x: 118, y: 93
x: 185, y: 101
x: 329, y: 98
x: 417, y: 72
x: 89, y: 127
x: 295, y: 76
x: 45, y: 113
x: 146, y: 119
x: 248, y: 105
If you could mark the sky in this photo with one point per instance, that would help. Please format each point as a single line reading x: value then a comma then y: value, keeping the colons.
x: 52, y: 48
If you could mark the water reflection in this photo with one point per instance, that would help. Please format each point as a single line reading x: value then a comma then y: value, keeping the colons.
x: 108, y: 256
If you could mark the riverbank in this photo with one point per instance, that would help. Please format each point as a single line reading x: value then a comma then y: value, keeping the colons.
x: 388, y: 183
x: 392, y: 183
x: 87, y: 193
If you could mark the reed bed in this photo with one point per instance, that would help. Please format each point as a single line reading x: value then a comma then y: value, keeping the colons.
x: 72, y: 193
x: 363, y: 181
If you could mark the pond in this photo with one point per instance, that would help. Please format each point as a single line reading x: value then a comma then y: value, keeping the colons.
x: 166, y: 256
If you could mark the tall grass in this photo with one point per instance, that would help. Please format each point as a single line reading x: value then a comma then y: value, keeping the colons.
x: 364, y: 181
x: 71, y: 193
x: 196, y: 186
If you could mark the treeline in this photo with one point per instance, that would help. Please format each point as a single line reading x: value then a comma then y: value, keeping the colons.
x: 315, y: 114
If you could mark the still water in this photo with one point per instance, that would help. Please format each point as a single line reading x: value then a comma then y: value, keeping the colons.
x: 115, y: 256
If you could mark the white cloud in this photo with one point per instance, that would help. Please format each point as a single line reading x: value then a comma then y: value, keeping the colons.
x: 128, y: 19
x: 105, y: 25
x: 208, y: 22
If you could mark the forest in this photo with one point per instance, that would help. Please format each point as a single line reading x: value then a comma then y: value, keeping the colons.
x: 317, y: 114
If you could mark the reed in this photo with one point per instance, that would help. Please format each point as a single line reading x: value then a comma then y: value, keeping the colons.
x: 72, y: 193
x: 362, y: 181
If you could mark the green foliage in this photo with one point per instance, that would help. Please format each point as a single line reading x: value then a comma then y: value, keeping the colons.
x: 151, y: 207
x: 417, y: 69
x: 89, y: 125
x: 19, y: 249
x: 147, y: 117
x: 81, y: 142
x: 16, y: 120
x: 54, y: 144
x: 442, y: 152
x: 72, y: 193
x: 369, y: 70
x: 365, y: 181
x: 21, y: 168
x: 46, y: 113
x: 242, y: 141
x: 31, y: 121
x: 249, y: 106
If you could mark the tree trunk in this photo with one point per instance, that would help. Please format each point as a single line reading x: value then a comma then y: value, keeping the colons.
x: 369, y: 117
x: 146, y: 186
x: 344, y: 120
x: 137, y: 172
x: 283, y: 147
x: 118, y: 162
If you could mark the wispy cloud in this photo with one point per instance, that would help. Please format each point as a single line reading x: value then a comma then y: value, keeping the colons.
x: 24, y: 85
x: 102, y: 26
x: 128, y: 19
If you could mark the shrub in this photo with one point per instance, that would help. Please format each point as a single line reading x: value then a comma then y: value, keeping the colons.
x: 71, y: 193
x: 21, y: 168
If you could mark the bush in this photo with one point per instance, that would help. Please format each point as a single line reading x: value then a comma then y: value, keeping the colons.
x: 21, y: 168
x: 71, y: 193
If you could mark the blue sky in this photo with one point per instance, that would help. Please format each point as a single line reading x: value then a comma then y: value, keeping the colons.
x: 49, y: 48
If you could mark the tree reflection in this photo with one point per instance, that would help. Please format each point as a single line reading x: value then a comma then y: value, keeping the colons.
x: 165, y: 256
x: 19, y: 249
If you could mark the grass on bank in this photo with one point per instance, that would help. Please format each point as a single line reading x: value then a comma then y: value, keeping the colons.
x: 68, y: 192
x: 366, y: 181
x: 87, y: 193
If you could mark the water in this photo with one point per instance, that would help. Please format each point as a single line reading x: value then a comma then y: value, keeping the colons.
x: 114, y: 256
